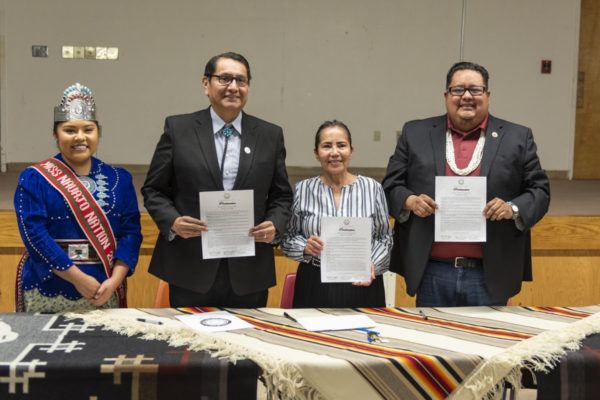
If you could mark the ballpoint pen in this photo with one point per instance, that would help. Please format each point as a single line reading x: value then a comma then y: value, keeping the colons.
x: 149, y: 321
x: 372, y: 336
x: 288, y: 316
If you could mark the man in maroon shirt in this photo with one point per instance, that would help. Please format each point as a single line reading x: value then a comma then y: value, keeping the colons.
x: 467, y: 141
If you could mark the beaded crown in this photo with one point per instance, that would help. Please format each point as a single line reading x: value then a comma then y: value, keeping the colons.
x: 77, y: 104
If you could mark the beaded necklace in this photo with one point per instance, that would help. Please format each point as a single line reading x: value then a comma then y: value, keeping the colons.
x: 475, y: 159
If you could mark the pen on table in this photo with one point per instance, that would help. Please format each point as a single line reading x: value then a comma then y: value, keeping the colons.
x: 285, y: 314
x: 422, y: 314
x: 149, y: 321
x: 372, y: 336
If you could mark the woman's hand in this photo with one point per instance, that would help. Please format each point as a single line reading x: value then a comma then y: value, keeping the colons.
x: 368, y: 283
x: 86, y: 285
x: 108, y: 287
x: 314, y: 246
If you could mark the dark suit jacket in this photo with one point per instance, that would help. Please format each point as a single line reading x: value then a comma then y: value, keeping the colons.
x: 513, y: 173
x: 185, y: 163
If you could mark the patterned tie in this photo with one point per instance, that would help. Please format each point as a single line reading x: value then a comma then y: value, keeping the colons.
x: 227, y: 131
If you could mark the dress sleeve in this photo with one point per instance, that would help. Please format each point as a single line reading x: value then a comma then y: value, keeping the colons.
x: 30, y: 204
x: 381, y: 241
x: 129, y: 237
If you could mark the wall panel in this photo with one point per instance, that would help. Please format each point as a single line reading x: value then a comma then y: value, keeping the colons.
x: 566, y: 265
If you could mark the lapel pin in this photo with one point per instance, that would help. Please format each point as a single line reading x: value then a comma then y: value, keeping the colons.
x: 247, y: 150
x: 494, y: 134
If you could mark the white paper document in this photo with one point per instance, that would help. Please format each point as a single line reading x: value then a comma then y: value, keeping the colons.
x: 461, y: 200
x: 346, y: 255
x: 217, y: 321
x: 335, y: 322
x: 229, y: 215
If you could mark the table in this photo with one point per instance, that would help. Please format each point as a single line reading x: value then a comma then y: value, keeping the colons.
x: 576, y: 377
x: 50, y: 357
x: 427, y: 353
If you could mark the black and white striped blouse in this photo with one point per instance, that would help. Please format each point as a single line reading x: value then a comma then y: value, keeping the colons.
x: 314, y: 200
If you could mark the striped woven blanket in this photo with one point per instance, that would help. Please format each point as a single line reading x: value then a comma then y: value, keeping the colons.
x: 428, y: 353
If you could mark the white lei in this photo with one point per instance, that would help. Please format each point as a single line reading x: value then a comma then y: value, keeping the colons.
x: 475, y: 160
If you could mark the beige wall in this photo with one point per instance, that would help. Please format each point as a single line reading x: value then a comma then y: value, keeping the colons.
x: 373, y: 64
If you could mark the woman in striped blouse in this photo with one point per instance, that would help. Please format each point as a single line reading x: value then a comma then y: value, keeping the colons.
x: 336, y: 192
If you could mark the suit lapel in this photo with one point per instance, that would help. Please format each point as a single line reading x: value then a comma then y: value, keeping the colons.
x: 247, y: 149
x: 205, y: 135
x: 438, y: 142
x: 493, y: 137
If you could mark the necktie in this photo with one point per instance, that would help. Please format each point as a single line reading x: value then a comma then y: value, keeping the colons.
x: 227, y: 131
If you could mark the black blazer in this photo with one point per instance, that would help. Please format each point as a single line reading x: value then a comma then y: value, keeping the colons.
x: 513, y: 173
x: 185, y: 163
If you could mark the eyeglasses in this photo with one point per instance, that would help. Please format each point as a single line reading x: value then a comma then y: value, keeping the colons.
x: 226, y: 80
x: 460, y: 90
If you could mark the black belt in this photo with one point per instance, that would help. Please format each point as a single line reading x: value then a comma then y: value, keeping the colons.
x: 460, y: 262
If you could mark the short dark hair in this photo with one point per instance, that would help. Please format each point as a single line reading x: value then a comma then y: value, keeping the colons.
x: 211, y: 65
x: 329, y: 124
x: 459, y: 66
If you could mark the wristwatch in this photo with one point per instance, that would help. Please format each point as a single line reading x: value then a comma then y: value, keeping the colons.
x: 514, y: 208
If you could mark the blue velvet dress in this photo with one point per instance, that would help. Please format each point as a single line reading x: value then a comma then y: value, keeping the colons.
x: 44, y: 218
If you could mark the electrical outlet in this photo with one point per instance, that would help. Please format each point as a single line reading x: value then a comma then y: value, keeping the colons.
x: 398, y: 134
x: 377, y: 136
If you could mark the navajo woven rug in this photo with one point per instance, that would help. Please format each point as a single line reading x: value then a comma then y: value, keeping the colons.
x: 424, y: 353
x: 50, y: 357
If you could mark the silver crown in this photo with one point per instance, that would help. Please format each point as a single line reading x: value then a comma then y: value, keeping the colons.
x: 77, y: 104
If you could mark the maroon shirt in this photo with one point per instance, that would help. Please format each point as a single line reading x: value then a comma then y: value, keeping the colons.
x: 464, y: 147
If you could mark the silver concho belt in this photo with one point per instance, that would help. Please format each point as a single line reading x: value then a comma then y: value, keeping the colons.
x: 79, y: 250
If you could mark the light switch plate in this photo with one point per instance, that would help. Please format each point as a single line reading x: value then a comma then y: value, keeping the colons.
x: 100, y: 53
x: 112, y: 53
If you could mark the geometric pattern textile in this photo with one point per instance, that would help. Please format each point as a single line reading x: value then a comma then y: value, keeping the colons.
x: 425, y: 353
x: 576, y: 377
x: 50, y: 357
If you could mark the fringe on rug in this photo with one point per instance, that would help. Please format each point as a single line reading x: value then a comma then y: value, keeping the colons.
x: 539, y: 353
x: 282, y: 378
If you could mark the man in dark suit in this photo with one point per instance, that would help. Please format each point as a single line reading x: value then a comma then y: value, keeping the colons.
x: 220, y: 148
x: 467, y: 141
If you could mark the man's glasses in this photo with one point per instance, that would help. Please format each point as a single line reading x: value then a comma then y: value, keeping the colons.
x: 460, y: 90
x: 226, y: 80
